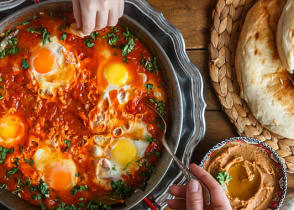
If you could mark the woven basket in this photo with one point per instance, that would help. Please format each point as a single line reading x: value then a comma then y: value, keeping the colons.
x: 228, y: 17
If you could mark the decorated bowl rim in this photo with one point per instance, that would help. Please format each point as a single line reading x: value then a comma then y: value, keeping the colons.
x: 249, y: 140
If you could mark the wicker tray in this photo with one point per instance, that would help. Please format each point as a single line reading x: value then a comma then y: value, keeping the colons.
x: 228, y: 17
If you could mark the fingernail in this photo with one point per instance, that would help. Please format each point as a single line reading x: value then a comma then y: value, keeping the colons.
x: 193, y: 186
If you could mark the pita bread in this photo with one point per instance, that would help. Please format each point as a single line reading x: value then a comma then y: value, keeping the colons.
x: 285, y: 36
x: 265, y: 84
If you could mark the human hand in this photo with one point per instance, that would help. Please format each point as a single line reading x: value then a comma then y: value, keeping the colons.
x: 96, y: 14
x: 190, y: 197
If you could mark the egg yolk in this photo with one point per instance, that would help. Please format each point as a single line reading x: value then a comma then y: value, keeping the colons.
x: 43, y: 61
x: 124, y: 152
x: 11, y: 128
x: 58, y: 176
x: 116, y: 74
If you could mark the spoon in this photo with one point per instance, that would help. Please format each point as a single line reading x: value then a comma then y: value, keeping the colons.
x: 188, y: 175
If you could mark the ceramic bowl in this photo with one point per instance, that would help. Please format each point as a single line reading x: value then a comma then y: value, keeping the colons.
x: 281, y: 172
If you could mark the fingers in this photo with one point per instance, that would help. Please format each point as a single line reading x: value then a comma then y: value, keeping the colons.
x: 177, y: 204
x: 112, y: 17
x: 77, y: 12
x: 194, y: 197
x: 218, y: 196
x: 101, y: 19
x: 178, y: 191
x: 88, y: 14
x: 121, y: 8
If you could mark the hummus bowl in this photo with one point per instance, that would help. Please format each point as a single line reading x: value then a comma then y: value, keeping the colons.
x: 183, y: 81
x: 251, y: 173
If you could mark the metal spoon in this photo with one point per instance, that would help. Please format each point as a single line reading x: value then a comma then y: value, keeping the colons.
x: 183, y: 168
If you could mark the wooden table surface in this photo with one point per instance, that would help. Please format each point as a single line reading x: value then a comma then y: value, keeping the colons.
x: 193, y: 19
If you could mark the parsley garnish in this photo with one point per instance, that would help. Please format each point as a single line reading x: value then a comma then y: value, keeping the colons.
x: 68, y: 143
x: 115, y: 29
x: 40, y: 30
x: 112, y: 38
x: 31, y: 161
x: 160, y: 106
x: 223, y: 178
x: 94, y: 35
x: 12, y: 50
x: 63, y: 36
x: 32, y: 30
x: 25, y: 64
x: 149, y: 64
x: 43, y: 189
x: 12, y: 171
x: 77, y: 189
x: 3, y: 153
x: 149, y: 86
x: 45, y: 36
x: 94, y: 206
x: 89, y: 43
x: 129, y: 47
x: 26, y: 22
x: 3, y: 186
x: 62, y: 27
x: 150, y: 139
x: 121, y: 188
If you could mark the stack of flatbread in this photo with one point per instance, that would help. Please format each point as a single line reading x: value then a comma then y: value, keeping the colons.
x: 265, y: 64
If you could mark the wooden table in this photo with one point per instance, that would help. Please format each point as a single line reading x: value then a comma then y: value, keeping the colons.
x: 193, y: 19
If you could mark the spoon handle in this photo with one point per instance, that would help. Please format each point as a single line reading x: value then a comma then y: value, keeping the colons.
x: 189, y: 176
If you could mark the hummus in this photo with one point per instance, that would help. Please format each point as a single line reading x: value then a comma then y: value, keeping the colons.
x: 253, y: 175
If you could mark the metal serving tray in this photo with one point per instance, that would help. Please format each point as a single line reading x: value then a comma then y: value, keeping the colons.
x: 8, y: 4
x: 185, y: 90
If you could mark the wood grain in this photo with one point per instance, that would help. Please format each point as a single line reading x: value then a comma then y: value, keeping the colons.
x: 199, y: 58
x: 191, y: 17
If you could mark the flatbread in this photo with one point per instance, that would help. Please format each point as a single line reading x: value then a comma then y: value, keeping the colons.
x: 265, y: 84
x: 285, y: 36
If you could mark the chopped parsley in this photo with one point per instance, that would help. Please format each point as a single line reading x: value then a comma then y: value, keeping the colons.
x: 160, y: 107
x: 223, y: 178
x: 94, y: 206
x: 115, y: 29
x: 129, y: 47
x: 94, y: 35
x: 12, y: 49
x: 12, y: 171
x: 45, y: 36
x: 146, y: 172
x: 43, y: 189
x: 3, y: 186
x: 157, y: 153
x: 112, y: 38
x: 149, y: 64
x: 62, y: 27
x: 32, y: 30
x: 41, y: 31
x: 150, y: 139
x: 68, y: 143
x: 148, y: 86
x: 26, y: 22
x: 121, y: 188
x: 3, y: 153
x: 63, y: 36
x: 30, y: 161
x: 89, y: 42
x: 77, y: 189
x: 25, y: 64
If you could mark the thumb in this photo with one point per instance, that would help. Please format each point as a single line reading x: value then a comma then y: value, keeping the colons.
x: 194, y: 197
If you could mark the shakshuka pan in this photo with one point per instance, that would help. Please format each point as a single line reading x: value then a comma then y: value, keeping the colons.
x: 75, y: 130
